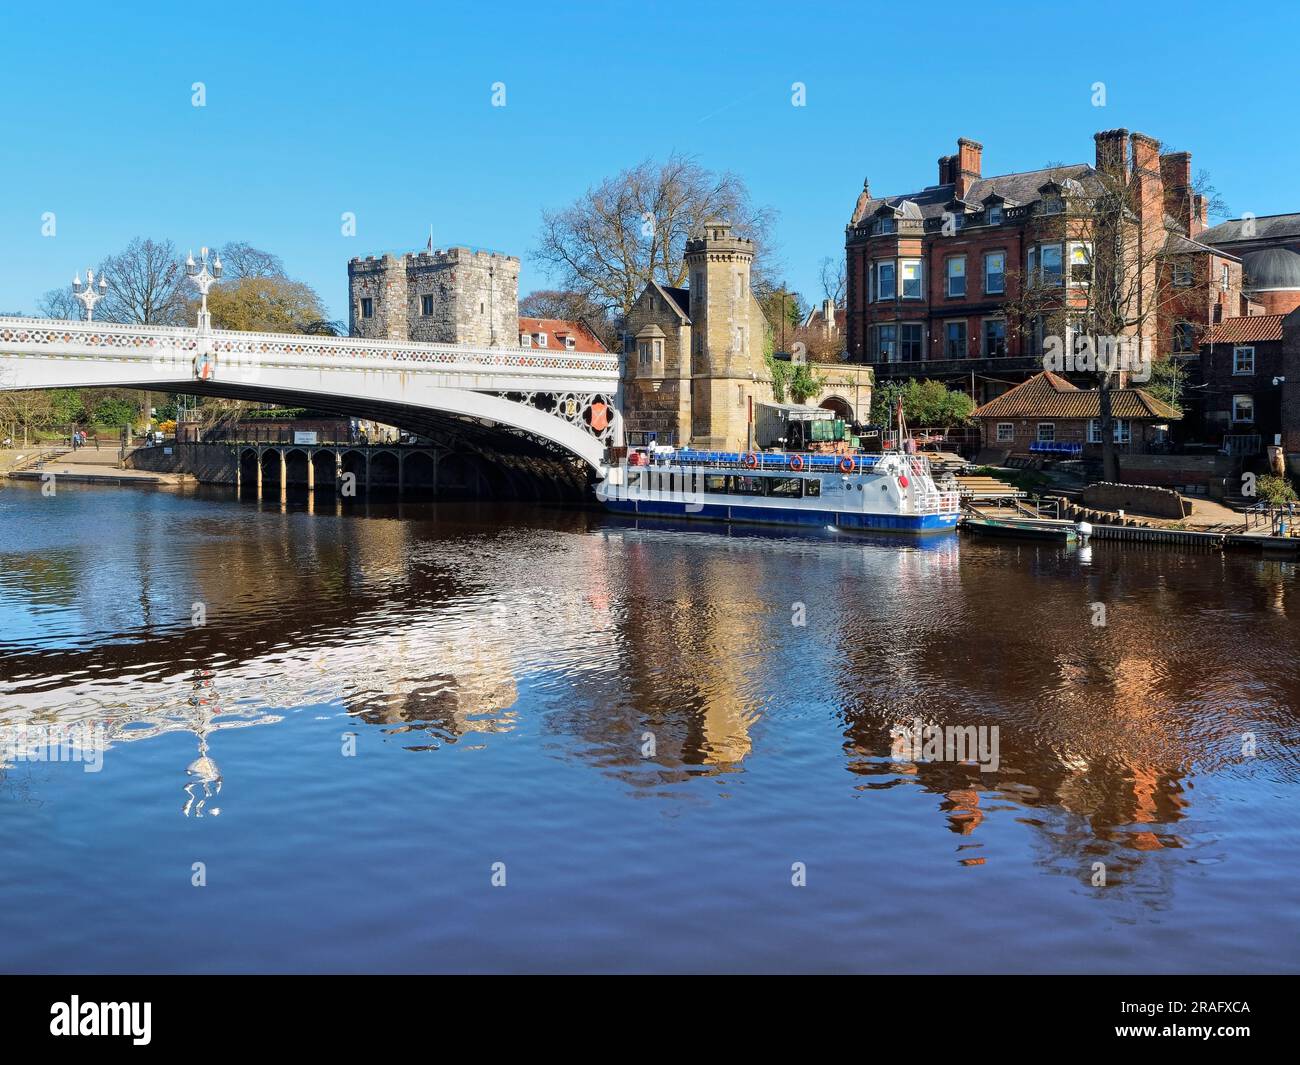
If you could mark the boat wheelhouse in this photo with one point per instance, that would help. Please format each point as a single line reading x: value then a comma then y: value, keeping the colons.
x: 850, y: 490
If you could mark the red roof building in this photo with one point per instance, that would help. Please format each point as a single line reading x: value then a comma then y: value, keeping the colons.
x: 1049, y: 416
x: 559, y: 334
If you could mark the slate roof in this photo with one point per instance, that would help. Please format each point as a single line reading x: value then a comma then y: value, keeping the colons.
x: 680, y: 296
x: 1177, y: 244
x: 1269, y: 227
x: 1021, y: 188
x: 1047, y: 395
x: 1245, y: 330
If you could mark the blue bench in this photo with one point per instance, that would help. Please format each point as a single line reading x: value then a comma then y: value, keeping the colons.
x: 1055, y: 447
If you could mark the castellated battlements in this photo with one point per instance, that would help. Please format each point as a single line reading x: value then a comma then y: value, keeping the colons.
x: 457, y: 295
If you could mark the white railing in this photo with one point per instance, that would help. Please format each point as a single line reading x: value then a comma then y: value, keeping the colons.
x: 936, y: 502
x: 104, y: 338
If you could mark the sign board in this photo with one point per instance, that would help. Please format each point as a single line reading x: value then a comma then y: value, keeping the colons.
x: 167, y: 451
x: 301, y: 437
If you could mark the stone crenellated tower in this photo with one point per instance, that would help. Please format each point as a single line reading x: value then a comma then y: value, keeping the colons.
x: 727, y: 336
x: 457, y: 296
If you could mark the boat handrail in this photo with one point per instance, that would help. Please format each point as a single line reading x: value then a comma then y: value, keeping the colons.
x: 782, y: 461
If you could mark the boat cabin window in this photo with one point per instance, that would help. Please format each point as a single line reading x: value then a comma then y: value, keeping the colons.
x: 785, y: 487
x: 812, y: 487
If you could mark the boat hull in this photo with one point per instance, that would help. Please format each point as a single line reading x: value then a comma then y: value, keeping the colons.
x: 1024, y: 530
x: 730, y: 513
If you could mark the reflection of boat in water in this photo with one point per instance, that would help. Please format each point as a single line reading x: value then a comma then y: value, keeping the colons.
x: 803, y: 537
x: 851, y: 490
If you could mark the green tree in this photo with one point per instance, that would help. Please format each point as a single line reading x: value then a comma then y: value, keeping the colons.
x: 784, y: 311
x: 265, y: 305
x: 1275, y: 489
x: 1168, y: 379
x: 925, y: 403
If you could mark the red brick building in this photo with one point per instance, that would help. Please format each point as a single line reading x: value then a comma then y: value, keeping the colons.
x: 1238, y: 394
x: 932, y: 274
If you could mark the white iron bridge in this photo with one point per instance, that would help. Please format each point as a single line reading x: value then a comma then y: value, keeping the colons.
x: 562, y: 400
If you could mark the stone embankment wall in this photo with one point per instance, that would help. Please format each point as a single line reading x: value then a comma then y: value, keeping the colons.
x: 1210, y: 472
x: 208, y: 463
x: 1138, y: 498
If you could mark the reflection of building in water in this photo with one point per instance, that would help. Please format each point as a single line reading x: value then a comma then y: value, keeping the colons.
x: 449, y: 687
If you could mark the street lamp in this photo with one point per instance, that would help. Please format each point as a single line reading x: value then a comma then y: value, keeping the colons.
x: 204, y: 278
x: 89, y: 295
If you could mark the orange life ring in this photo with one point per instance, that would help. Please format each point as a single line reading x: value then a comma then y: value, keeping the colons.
x: 751, y: 460
x: 796, y: 462
x: 847, y: 464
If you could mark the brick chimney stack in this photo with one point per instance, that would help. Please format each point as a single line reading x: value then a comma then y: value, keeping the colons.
x: 1112, y: 153
x: 947, y: 170
x: 968, y: 157
x: 1180, y: 201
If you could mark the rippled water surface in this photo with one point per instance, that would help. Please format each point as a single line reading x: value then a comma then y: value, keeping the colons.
x: 349, y: 717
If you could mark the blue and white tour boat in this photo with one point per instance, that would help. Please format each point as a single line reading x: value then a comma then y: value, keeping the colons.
x: 888, y: 491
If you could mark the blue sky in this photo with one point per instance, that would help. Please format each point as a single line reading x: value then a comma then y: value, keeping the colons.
x: 384, y: 109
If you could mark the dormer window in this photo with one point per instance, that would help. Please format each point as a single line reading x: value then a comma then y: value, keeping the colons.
x: 541, y: 340
x: 886, y: 224
x: 994, y: 214
x: 525, y: 340
x: 1052, y: 204
x: 569, y: 342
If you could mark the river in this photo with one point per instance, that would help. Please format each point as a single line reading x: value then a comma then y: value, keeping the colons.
x: 413, y: 737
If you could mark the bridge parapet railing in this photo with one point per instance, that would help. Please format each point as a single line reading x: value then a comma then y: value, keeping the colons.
x: 61, y: 335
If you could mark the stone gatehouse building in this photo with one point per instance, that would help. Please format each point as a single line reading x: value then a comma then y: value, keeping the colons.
x: 457, y: 296
x: 695, y: 358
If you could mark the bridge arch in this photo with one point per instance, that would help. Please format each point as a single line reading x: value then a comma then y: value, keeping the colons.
x: 295, y: 465
x: 323, y: 466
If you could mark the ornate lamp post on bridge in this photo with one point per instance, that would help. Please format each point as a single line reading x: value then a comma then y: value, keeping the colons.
x: 204, y: 278
x: 89, y: 296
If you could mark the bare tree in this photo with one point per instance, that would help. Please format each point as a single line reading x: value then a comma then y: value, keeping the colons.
x: 59, y: 303
x: 571, y: 307
x: 240, y: 260
x: 834, y: 279
x: 25, y: 410
x: 633, y: 227
x: 146, y: 285
x: 1114, y: 286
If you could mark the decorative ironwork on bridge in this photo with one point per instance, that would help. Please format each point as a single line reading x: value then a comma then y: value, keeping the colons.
x: 577, y: 389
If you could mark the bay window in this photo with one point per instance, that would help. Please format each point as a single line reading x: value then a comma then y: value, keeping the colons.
x: 885, y: 286
x: 956, y: 270
x: 995, y: 273
x: 910, y: 342
x: 995, y: 338
x: 887, y: 343
x: 955, y: 340
x: 911, y: 269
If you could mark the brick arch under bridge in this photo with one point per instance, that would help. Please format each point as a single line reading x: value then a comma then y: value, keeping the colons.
x: 423, y: 469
